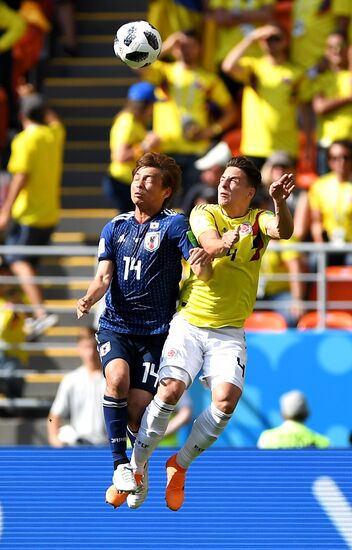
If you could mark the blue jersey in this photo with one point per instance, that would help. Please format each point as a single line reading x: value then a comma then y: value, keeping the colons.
x: 147, y: 271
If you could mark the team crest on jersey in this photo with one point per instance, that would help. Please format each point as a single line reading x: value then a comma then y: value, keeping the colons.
x: 246, y: 228
x: 154, y: 225
x: 152, y: 241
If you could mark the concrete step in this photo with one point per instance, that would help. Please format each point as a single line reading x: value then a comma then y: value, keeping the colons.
x: 73, y: 238
x: 83, y: 266
x: 89, y: 107
x: 89, y: 87
x: 87, y: 152
x: 68, y: 291
x: 109, y: 6
x: 88, y: 67
x: 105, y: 22
x: 54, y: 359
x: 83, y: 175
x: 90, y: 221
x: 42, y: 384
x: 85, y: 201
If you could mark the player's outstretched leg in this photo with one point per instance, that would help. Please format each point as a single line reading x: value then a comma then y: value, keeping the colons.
x: 175, y: 488
x: 113, y: 497
x: 135, y: 500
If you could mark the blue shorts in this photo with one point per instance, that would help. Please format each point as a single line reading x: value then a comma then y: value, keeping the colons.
x: 19, y: 234
x: 142, y: 353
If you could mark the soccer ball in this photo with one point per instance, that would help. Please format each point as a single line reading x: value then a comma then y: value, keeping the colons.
x: 137, y: 44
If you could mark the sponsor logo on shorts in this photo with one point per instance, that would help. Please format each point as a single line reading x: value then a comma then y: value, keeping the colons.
x: 104, y: 349
x: 246, y: 228
x: 152, y: 241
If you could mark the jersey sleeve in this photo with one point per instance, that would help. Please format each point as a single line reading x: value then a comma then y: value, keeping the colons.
x: 201, y: 220
x: 105, y: 248
x: 180, y: 234
x: 21, y: 157
x: 264, y: 217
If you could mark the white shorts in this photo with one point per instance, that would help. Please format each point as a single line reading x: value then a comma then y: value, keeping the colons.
x: 221, y: 353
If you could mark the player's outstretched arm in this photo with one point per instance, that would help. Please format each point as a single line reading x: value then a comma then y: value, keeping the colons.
x: 97, y: 288
x: 281, y: 226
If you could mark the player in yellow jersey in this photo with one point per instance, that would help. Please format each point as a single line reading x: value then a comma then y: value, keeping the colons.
x: 207, y: 331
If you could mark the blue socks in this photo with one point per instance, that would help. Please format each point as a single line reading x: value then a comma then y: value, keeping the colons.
x: 115, y: 414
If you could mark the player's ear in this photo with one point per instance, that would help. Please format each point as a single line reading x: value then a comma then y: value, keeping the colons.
x: 251, y: 193
x: 167, y: 193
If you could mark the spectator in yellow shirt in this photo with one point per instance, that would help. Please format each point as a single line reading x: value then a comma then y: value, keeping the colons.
x: 332, y: 99
x: 32, y: 203
x: 292, y: 433
x: 234, y: 20
x: 271, y: 95
x: 129, y: 140
x: 330, y: 200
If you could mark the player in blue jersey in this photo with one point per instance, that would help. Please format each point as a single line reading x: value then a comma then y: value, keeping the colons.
x: 139, y: 271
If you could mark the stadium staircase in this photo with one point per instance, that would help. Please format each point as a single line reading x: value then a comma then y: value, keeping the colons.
x: 86, y: 91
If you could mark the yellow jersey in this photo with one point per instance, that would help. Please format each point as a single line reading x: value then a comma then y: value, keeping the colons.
x: 228, y: 298
x: 336, y: 124
x: 186, y: 94
x: 127, y: 130
x: 228, y: 37
x: 334, y: 200
x: 13, y: 25
x: 312, y: 22
x: 269, y: 107
x: 37, y: 151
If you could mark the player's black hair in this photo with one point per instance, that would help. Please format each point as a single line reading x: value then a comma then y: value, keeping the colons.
x: 169, y: 169
x: 346, y: 143
x: 246, y: 165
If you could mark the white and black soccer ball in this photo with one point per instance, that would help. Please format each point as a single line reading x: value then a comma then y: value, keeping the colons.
x: 137, y: 44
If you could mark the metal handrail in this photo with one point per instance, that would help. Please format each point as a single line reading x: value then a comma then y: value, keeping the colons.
x: 321, y: 250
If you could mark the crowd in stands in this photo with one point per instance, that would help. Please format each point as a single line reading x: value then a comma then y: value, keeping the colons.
x: 268, y: 79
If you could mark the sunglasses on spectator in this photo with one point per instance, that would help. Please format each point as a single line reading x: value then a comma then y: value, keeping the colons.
x: 340, y: 157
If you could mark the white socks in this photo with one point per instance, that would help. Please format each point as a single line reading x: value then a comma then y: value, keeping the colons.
x: 206, y: 430
x: 152, y: 430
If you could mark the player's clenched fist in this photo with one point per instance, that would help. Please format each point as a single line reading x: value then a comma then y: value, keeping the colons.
x: 83, y: 306
x: 230, y: 238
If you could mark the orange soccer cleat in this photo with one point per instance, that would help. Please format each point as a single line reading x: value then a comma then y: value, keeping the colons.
x: 175, y: 488
x: 113, y: 497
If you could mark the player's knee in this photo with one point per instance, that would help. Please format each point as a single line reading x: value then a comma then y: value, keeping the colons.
x: 116, y: 386
x: 170, y: 390
x: 226, y: 401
